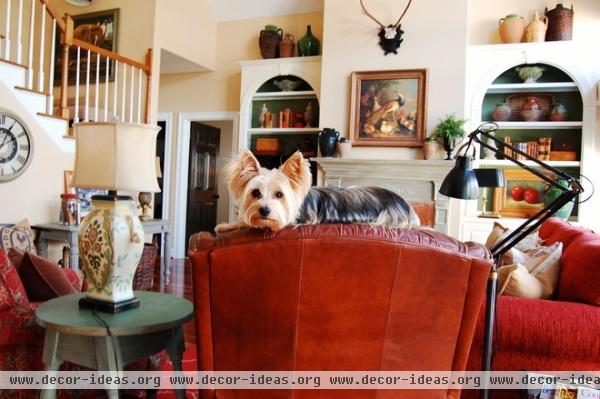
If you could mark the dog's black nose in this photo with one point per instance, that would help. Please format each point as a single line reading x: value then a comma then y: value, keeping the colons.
x: 264, y: 211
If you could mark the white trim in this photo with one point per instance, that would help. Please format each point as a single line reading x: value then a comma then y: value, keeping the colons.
x: 166, y: 117
x: 182, y: 165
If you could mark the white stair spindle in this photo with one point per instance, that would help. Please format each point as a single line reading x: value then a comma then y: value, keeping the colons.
x: 115, y: 86
x: 50, y: 106
x: 30, y: 53
x: 7, y: 28
x: 106, y: 90
x: 139, y: 104
x: 124, y: 84
x: 97, y: 87
x: 86, y: 106
x: 42, y: 43
x: 77, y: 69
x: 131, y: 95
x: 20, y: 33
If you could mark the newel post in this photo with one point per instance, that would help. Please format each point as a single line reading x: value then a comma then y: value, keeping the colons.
x: 148, y: 84
x: 66, y: 39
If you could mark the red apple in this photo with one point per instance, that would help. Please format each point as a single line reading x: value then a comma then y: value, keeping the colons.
x: 517, y: 193
x: 532, y: 196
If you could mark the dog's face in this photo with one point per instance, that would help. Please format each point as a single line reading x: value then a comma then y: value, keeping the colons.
x: 268, y: 198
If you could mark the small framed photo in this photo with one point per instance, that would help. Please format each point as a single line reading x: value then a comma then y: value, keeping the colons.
x: 522, y: 195
x: 388, y: 108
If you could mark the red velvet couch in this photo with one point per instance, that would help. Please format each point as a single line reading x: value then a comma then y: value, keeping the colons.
x: 559, y: 334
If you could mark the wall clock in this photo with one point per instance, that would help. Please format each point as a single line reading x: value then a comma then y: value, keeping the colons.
x: 15, y: 147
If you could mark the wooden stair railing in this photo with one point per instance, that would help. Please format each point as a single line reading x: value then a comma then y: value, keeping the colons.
x: 85, y: 60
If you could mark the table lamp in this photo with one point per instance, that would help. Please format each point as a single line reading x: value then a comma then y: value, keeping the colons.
x: 489, y: 178
x: 461, y: 182
x: 113, y: 156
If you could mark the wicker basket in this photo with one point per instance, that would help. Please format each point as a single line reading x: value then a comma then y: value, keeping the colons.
x: 560, y: 23
x: 143, y: 278
x: 515, y: 102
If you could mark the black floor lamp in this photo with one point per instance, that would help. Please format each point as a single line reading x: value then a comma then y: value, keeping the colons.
x: 461, y: 182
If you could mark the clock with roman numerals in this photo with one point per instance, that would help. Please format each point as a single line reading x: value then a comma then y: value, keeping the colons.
x: 15, y: 147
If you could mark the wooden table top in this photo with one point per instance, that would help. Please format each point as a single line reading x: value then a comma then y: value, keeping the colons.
x: 157, y: 312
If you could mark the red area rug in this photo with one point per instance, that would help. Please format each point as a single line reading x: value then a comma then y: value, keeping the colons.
x: 189, y: 364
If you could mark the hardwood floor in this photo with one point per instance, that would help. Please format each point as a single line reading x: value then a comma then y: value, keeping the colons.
x: 180, y: 284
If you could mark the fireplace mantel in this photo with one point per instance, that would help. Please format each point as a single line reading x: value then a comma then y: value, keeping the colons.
x: 417, y: 181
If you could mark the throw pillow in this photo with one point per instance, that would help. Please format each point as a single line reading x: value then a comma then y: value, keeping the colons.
x: 536, y: 278
x: 43, y: 279
x: 20, y: 237
x: 12, y: 291
x: 517, y: 253
x: 15, y: 257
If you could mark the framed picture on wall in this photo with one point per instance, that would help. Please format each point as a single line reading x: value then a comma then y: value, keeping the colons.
x: 388, y: 108
x: 522, y: 195
x: 97, y: 28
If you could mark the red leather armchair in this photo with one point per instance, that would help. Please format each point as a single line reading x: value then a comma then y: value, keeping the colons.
x: 335, y: 297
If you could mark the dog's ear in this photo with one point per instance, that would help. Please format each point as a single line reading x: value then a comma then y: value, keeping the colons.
x: 240, y: 171
x: 297, y: 169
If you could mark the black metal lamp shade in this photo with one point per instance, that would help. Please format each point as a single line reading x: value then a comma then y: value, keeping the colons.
x: 490, y: 177
x: 461, y: 181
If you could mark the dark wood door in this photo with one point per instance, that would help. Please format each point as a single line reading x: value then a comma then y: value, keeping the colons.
x: 202, y: 180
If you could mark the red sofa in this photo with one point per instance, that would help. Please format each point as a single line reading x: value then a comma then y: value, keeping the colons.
x: 559, y: 334
x: 335, y: 297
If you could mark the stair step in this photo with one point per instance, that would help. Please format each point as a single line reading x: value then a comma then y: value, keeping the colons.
x: 32, y: 90
x: 13, y: 63
x: 53, y: 116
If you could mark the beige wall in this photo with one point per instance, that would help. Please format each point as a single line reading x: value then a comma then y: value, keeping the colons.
x: 435, y: 38
x: 484, y: 16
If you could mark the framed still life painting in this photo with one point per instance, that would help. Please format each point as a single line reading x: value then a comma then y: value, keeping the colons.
x: 522, y: 195
x: 388, y: 108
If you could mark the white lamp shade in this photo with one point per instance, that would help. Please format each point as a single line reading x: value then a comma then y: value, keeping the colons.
x: 115, y: 156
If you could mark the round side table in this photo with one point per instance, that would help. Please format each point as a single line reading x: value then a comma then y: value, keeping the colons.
x: 73, y: 334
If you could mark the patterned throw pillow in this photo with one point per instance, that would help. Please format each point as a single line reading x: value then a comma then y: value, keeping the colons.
x: 12, y: 291
x: 20, y: 237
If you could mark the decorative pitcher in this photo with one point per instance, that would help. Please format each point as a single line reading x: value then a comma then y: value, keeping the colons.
x: 268, y: 41
x: 511, y: 28
x: 536, y: 30
x: 328, y: 139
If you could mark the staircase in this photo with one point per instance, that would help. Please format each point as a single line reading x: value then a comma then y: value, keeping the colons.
x: 93, y: 83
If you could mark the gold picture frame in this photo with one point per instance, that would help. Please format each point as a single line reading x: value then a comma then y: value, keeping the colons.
x: 388, y: 108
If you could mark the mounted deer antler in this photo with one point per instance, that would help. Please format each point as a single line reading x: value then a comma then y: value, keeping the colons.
x: 390, y: 37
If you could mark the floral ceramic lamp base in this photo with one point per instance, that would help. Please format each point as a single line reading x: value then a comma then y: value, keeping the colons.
x: 110, y: 247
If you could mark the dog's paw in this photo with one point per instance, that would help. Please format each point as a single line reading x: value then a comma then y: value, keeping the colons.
x: 228, y: 227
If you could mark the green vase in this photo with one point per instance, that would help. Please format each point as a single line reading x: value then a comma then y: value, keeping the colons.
x: 308, y: 45
x: 552, y: 194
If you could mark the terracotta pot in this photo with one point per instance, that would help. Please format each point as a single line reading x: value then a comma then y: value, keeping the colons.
x: 511, y: 28
x: 286, y: 46
x: 536, y: 30
x: 501, y: 113
x: 531, y: 110
x: 430, y: 149
x: 268, y: 41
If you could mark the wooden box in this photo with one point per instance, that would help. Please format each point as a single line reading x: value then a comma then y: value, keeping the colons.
x: 563, y: 155
x: 268, y: 146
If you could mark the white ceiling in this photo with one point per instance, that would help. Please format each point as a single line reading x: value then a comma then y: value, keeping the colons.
x: 230, y: 10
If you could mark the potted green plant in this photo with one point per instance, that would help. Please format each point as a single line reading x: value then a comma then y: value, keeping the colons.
x: 450, y: 130
x: 430, y: 147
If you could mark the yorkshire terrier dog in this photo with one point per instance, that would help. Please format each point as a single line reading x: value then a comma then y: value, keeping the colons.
x: 280, y: 197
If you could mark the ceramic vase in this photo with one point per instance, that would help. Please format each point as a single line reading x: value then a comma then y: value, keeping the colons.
x: 559, y: 112
x: 286, y: 46
x: 530, y: 74
x: 110, y: 247
x: 344, y: 149
x: 511, y: 28
x: 501, y: 113
x: 268, y: 41
x: 328, y: 139
x: 552, y: 194
x: 449, y: 144
x: 430, y: 149
x: 531, y: 110
x: 309, y: 45
x: 536, y: 30
x: 560, y: 23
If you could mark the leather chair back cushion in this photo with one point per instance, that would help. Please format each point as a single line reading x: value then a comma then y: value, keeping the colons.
x: 314, y: 298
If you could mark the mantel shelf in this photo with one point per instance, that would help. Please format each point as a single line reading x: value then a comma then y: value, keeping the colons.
x: 290, y: 130
x: 540, y: 125
x: 533, y: 87
x: 285, y: 95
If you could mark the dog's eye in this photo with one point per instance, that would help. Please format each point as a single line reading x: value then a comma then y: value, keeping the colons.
x: 256, y: 193
x: 278, y: 194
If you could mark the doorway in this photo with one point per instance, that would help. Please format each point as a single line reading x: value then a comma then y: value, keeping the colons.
x: 202, y: 191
